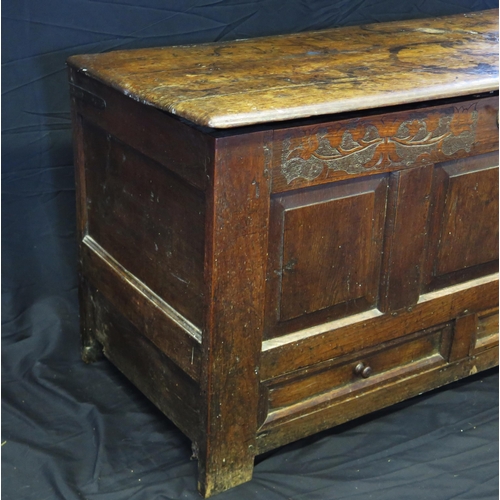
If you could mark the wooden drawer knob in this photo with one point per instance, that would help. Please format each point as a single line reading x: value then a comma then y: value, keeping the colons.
x: 363, y: 370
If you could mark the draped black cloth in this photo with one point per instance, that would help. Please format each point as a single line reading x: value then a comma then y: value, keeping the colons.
x: 71, y: 431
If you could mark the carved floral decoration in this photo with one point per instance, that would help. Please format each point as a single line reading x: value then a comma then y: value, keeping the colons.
x: 412, y: 141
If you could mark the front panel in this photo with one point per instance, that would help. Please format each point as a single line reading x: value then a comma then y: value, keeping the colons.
x: 383, y: 252
x: 325, y: 253
x: 463, y: 233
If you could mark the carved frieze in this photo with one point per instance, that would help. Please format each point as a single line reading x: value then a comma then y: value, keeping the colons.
x: 366, y: 148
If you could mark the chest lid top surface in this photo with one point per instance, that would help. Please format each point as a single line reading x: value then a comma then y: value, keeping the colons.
x: 262, y: 80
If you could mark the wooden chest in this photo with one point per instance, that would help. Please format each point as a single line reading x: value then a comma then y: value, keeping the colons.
x: 282, y: 234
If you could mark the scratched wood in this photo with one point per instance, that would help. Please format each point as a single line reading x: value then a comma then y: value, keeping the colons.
x: 241, y: 277
x: 337, y: 377
x: 340, y: 149
x: 333, y: 271
x: 231, y: 344
x: 326, y: 413
x: 270, y: 79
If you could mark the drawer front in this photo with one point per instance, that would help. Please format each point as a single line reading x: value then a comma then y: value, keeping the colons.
x: 326, y: 152
x: 361, y: 371
x: 486, y: 330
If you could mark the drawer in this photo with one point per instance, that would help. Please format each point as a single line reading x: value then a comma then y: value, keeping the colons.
x: 486, y: 330
x: 324, y: 382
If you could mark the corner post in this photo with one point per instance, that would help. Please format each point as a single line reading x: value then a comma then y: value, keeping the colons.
x: 238, y: 204
x: 91, y: 348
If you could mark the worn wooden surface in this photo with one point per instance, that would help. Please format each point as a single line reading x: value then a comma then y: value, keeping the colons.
x: 235, y: 274
x: 155, y: 374
x: 486, y: 330
x: 463, y: 224
x: 465, y: 330
x: 240, y: 278
x: 343, y: 336
x: 333, y: 271
x: 471, y: 193
x: 405, y: 238
x: 339, y: 376
x: 271, y: 79
x: 154, y: 318
x: 339, y: 149
x: 351, y: 406
x: 156, y: 219
x: 183, y: 150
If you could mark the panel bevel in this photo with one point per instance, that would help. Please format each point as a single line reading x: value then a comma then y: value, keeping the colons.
x: 325, y: 253
x: 463, y: 227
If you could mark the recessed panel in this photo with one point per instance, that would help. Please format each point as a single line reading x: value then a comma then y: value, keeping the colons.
x: 469, y: 233
x: 326, y: 262
x: 147, y: 219
x: 327, y: 251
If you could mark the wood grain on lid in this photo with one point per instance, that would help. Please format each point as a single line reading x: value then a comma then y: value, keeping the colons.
x: 247, y: 82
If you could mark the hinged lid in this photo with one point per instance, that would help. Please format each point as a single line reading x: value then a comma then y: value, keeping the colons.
x: 246, y: 82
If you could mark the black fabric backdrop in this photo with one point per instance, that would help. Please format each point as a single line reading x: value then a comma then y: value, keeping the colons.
x: 71, y: 431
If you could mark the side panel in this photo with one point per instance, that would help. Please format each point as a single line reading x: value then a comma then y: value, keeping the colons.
x: 141, y: 176
x: 156, y: 376
x: 180, y: 148
x: 147, y: 219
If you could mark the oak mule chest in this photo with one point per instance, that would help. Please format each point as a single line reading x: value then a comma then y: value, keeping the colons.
x: 281, y: 234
